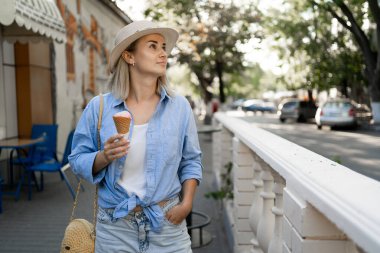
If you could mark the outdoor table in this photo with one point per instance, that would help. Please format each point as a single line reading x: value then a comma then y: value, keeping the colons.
x: 18, y: 145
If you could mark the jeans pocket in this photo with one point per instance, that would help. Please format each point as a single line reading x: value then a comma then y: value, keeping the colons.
x: 168, y: 206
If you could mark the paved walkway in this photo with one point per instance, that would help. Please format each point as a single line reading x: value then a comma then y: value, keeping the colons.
x: 38, y: 225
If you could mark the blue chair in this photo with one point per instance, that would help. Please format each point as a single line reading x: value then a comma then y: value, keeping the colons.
x: 48, y: 149
x: 45, y: 151
x: 51, y: 166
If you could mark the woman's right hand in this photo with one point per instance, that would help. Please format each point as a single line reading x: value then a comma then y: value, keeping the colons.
x: 115, y: 147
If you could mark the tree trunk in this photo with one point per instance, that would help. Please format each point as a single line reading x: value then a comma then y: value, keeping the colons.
x: 219, y: 71
x: 344, y: 88
x: 371, y: 57
x: 310, y: 95
x: 206, y: 95
x: 375, y: 95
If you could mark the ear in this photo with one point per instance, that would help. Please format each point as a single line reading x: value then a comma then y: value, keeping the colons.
x: 128, y: 57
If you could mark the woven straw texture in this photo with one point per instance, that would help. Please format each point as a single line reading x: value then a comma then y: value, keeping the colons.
x: 79, y: 237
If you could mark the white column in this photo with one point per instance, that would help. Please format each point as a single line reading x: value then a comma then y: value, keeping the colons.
x: 266, y: 223
x: 222, y: 153
x: 275, y: 245
x: 226, y: 148
x: 257, y: 204
x: 243, y: 193
x: 307, y: 230
x: 217, y: 155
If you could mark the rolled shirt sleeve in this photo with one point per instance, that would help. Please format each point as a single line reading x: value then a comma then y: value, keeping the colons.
x: 190, y: 166
x: 84, y: 146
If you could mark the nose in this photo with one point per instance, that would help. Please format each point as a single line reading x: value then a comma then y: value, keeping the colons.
x: 163, y: 53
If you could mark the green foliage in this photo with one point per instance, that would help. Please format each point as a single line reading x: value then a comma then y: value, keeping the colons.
x: 226, y: 189
x: 246, y: 84
x: 211, y: 33
x: 337, y: 159
x: 318, y: 49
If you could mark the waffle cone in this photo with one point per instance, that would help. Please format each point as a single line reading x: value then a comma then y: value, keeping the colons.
x: 122, y: 124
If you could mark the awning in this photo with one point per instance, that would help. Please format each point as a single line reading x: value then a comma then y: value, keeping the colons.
x: 37, y: 17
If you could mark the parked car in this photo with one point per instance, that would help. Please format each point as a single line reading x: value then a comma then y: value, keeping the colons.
x: 252, y: 105
x: 297, y: 110
x: 258, y: 105
x: 237, y: 104
x: 268, y: 107
x: 342, y: 112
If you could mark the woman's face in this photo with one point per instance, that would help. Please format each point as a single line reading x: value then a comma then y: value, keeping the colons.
x: 150, y: 56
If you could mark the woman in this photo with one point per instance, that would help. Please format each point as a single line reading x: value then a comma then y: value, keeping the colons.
x: 140, y: 178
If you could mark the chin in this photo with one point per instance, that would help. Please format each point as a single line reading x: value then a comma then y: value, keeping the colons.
x: 161, y: 73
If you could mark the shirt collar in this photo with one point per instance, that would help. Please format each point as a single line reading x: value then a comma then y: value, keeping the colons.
x: 116, y: 101
x: 163, y: 96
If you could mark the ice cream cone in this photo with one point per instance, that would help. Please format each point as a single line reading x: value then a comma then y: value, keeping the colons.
x: 122, y: 122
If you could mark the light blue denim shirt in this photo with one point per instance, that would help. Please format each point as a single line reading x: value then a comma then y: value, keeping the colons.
x: 172, y: 155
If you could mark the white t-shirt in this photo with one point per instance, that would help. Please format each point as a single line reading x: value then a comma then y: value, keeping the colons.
x: 133, y: 178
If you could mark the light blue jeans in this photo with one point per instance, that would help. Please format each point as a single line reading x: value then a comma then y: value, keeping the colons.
x: 132, y: 234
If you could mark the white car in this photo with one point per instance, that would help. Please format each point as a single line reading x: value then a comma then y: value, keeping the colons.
x: 342, y: 112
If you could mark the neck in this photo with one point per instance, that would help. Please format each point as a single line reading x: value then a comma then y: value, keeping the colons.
x: 143, y: 87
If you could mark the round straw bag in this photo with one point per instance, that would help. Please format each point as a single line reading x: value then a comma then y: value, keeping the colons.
x: 80, y: 234
x: 79, y: 237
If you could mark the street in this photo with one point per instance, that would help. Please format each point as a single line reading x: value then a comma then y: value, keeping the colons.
x: 358, y: 149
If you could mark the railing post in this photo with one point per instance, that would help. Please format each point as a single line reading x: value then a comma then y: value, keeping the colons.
x: 225, y: 155
x: 266, y: 223
x: 275, y: 245
x: 321, y: 207
x: 217, y: 154
x: 243, y: 192
x: 257, y: 204
x: 308, y: 230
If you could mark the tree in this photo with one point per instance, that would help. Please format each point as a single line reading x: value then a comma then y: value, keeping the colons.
x: 320, y: 54
x: 344, y: 12
x: 211, y: 33
x: 246, y: 84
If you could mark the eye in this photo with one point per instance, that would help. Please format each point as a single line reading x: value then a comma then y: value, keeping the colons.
x: 153, y: 46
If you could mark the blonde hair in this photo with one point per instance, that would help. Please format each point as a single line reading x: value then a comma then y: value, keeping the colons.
x: 119, y: 83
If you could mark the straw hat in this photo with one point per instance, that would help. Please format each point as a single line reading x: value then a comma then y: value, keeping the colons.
x: 136, y: 30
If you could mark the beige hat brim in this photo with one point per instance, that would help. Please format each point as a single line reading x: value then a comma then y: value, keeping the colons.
x: 170, y: 35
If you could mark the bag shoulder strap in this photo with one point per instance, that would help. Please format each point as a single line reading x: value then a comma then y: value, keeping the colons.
x: 100, y: 118
x: 80, y: 181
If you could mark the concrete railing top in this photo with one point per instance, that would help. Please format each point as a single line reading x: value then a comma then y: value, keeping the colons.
x: 348, y: 199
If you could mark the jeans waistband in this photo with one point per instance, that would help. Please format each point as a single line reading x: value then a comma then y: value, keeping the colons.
x: 139, y: 208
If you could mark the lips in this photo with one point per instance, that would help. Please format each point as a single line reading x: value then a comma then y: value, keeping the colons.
x: 162, y: 63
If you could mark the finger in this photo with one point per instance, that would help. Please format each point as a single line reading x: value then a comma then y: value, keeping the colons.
x: 115, y: 137
x: 122, y: 143
x: 120, y: 155
x: 168, y: 215
x: 108, y: 155
x: 119, y: 152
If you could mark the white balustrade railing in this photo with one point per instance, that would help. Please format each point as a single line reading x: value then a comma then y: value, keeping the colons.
x: 289, y: 199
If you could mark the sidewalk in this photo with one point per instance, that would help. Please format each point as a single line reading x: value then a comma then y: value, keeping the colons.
x: 38, y: 225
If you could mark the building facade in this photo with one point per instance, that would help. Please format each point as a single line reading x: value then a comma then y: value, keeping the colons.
x: 54, y: 57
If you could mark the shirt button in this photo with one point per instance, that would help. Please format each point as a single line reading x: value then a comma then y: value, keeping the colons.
x: 120, y: 167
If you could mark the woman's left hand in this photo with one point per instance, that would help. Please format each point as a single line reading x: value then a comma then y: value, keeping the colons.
x: 178, y: 213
